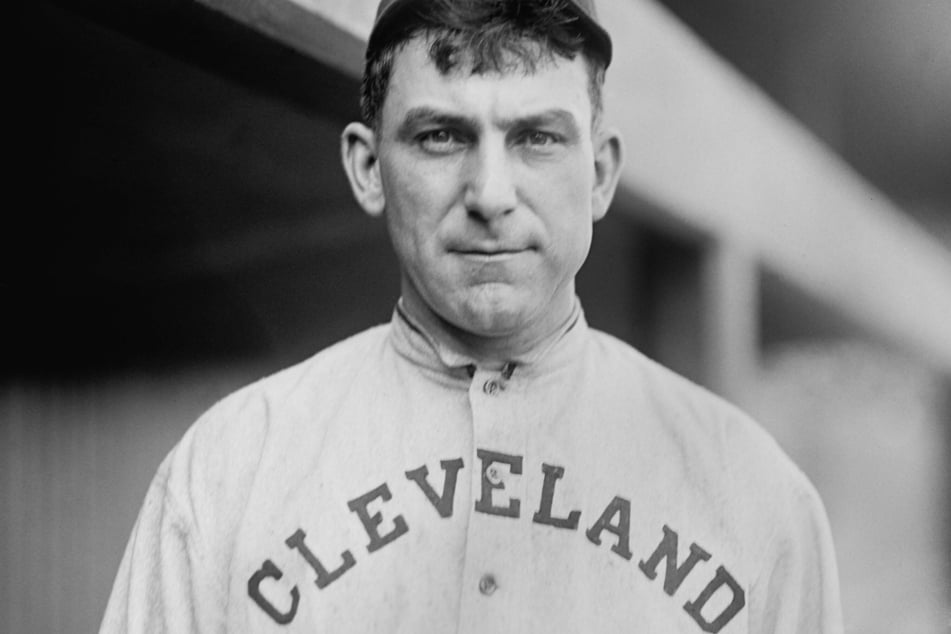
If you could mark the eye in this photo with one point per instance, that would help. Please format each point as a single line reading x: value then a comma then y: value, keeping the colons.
x: 440, y: 141
x: 538, y: 139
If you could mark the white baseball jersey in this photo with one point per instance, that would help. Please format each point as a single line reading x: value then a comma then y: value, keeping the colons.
x: 388, y: 484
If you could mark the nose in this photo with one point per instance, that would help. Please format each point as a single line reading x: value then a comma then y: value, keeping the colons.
x: 490, y: 186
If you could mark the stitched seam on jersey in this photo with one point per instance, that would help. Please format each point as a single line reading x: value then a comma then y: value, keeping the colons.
x: 183, y: 522
x: 266, y: 435
x: 766, y: 563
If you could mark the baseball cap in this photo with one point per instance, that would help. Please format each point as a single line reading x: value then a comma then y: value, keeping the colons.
x: 391, y: 15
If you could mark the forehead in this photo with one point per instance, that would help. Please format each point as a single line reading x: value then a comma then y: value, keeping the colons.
x: 518, y: 90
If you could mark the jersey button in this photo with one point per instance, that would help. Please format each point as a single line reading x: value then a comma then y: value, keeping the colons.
x: 487, y: 585
x: 493, y: 475
x: 491, y: 387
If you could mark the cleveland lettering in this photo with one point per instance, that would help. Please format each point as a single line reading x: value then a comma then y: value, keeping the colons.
x: 383, y: 526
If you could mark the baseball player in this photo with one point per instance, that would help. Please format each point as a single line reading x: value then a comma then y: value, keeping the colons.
x: 485, y: 461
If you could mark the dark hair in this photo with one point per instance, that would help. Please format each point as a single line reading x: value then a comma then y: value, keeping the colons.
x: 488, y: 36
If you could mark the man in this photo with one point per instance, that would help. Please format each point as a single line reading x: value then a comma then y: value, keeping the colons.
x: 485, y: 462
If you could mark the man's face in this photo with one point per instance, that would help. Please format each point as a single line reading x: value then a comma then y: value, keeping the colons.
x: 488, y: 185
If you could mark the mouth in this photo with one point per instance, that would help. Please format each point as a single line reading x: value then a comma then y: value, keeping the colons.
x: 490, y: 254
x: 489, y: 251
x: 490, y: 248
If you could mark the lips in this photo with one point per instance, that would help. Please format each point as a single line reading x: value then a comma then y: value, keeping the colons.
x: 489, y: 249
x: 489, y: 252
x: 486, y: 257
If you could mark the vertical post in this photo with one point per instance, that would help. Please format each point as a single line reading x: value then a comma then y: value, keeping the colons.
x: 730, y: 319
x: 671, y: 304
x: 944, y: 418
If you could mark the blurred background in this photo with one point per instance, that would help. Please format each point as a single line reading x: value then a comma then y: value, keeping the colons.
x: 179, y: 226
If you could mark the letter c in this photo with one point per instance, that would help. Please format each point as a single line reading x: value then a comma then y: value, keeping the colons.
x: 270, y: 571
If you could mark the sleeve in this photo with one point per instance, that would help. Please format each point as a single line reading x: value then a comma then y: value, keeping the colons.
x: 164, y: 582
x: 174, y: 575
x: 797, y: 590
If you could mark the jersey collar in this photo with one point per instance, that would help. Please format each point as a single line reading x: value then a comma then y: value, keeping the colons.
x: 413, y: 341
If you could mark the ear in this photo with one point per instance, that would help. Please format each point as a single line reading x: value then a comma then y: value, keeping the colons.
x: 608, y: 158
x: 358, y: 149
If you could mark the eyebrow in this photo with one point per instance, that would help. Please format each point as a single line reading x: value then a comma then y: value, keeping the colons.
x: 557, y: 116
x: 427, y: 115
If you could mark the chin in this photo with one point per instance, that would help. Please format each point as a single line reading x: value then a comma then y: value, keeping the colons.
x: 492, y: 325
x: 496, y: 317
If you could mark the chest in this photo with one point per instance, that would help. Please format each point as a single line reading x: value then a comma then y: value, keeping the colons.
x: 493, y: 507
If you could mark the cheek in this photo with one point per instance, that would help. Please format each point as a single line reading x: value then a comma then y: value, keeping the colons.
x: 570, y: 179
x: 570, y: 229
x: 568, y: 201
x: 417, y: 196
x: 414, y: 215
x: 573, y: 247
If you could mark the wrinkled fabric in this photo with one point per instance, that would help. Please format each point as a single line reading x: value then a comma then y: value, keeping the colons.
x: 390, y: 484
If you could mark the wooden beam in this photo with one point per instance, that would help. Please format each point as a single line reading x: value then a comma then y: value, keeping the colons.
x: 325, y: 31
x: 731, y: 320
x: 711, y: 150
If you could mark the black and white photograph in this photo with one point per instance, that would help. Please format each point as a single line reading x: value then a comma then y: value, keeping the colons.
x: 458, y: 316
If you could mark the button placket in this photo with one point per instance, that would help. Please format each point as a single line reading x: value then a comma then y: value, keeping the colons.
x: 488, y: 561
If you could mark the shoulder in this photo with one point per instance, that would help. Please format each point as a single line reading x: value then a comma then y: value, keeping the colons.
x: 701, y: 428
x: 226, y: 443
x: 724, y: 465
x: 677, y: 399
x: 317, y: 376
